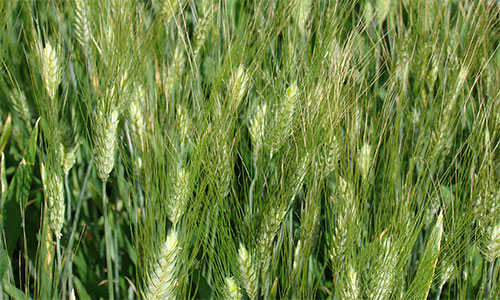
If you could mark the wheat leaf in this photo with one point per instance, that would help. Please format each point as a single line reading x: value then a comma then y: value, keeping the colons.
x: 17, y: 194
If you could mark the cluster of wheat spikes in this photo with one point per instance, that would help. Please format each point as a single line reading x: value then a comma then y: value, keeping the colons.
x: 267, y: 149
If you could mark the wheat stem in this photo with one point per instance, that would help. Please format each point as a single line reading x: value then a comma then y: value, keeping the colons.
x: 440, y: 290
x: 489, y: 279
x: 69, y: 252
x: 68, y: 196
x: 107, y: 233
x: 58, y: 254
x: 252, y: 186
x: 117, y: 262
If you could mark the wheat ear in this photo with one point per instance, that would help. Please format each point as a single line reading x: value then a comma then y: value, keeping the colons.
x: 247, y: 272
x: 162, y: 280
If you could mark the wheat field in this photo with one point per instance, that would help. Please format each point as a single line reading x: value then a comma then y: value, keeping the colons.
x: 239, y: 149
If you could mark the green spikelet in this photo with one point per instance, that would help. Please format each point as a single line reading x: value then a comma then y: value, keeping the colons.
x: 383, y: 8
x: 269, y: 230
x: 136, y: 118
x: 169, y: 9
x: 82, y: 26
x: 177, y: 204
x: 51, y: 70
x: 330, y: 155
x: 184, y: 126
x: 54, y: 191
x: 68, y: 158
x: 20, y: 107
x: 105, y: 142
x: 175, y: 71
x: 419, y: 288
x: 237, y: 88
x: 248, y: 273
x: 283, y: 124
x: 257, y: 127
x: 202, y: 27
x: 382, y: 274
x: 162, y: 280
x: 224, y: 170
x: 368, y: 12
x: 346, y: 218
x: 492, y: 247
x: 302, y: 9
x: 232, y: 291
x: 365, y: 160
x: 350, y: 284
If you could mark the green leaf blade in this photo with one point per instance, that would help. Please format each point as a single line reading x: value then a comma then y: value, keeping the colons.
x: 18, y: 192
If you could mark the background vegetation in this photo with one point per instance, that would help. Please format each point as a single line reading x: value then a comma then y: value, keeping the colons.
x: 236, y: 149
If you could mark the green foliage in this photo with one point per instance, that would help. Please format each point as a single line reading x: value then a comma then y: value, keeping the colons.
x: 18, y: 193
x: 176, y: 149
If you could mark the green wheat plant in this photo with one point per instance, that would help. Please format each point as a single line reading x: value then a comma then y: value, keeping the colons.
x: 174, y: 149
